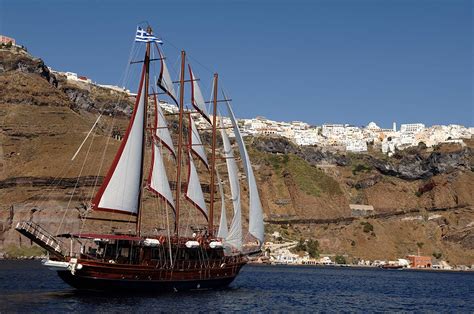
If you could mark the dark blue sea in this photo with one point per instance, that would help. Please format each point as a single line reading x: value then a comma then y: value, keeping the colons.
x: 26, y: 286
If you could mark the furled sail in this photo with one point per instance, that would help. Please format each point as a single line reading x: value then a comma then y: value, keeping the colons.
x: 234, y: 237
x: 162, y: 132
x: 193, y: 189
x: 196, y: 97
x: 164, y: 79
x: 255, y: 207
x: 223, y: 229
x: 122, y: 185
x: 196, y: 144
x: 157, y: 179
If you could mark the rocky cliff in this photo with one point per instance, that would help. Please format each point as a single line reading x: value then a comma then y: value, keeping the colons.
x: 418, y: 195
x: 411, y: 164
x: 20, y: 85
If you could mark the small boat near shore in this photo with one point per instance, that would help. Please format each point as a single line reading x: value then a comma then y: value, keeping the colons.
x: 392, y: 266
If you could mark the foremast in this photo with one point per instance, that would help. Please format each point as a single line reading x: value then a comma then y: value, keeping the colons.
x: 122, y: 188
x: 147, y: 82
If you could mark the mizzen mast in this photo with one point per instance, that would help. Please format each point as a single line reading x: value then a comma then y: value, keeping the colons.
x: 213, y: 157
x: 180, y: 141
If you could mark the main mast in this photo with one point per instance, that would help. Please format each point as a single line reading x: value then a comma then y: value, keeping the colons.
x: 213, y: 158
x: 147, y: 78
x: 180, y: 140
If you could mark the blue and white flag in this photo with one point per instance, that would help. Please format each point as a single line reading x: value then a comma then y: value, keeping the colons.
x: 144, y: 37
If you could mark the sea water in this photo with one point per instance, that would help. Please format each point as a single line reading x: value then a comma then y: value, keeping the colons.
x: 26, y: 286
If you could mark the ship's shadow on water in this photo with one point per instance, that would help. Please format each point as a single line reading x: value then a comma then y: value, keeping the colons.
x: 121, y: 295
x: 224, y: 299
x: 26, y: 286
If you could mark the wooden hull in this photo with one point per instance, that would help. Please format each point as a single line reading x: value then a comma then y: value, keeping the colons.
x: 131, y: 286
x: 115, y: 277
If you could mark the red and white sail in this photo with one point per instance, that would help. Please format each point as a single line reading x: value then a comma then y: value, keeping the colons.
x: 196, y: 144
x: 164, y: 79
x: 256, y: 228
x: 223, y: 228
x: 122, y: 186
x: 234, y: 236
x: 158, y: 179
x: 162, y: 132
x: 193, y: 189
x: 196, y: 96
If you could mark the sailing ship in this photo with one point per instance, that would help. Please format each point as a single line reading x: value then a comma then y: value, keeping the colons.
x: 180, y: 256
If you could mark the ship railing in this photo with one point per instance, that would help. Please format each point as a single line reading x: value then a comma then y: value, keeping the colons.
x: 40, y: 235
x: 190, y: 264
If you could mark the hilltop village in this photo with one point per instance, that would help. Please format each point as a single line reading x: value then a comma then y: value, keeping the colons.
x: 336, y: 137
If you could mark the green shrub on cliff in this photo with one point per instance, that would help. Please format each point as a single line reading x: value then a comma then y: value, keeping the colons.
x: 308, y: 178
x: 341, y: 260
x: 310, y: 246
x: 360, y: 167
x: 367, y: 227
x: 278, y: 161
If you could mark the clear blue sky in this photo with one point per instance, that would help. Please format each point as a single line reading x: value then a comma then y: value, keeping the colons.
x: 334, y: 61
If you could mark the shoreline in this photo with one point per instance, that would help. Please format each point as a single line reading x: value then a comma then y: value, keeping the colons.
x: 339, y: 266
x: 23, y: 258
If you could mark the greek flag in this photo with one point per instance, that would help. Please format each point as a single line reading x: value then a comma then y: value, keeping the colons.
x: 144, y: 37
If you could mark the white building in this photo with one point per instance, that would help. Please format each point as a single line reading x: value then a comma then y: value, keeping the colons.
x: 115, y: 88
x: 330, y: 130
x: 412, y: 128
x: 284, y: 256
x: 356, y: 146
x: 5, y: 40
x: 307, y: 137
x: 372, y: 126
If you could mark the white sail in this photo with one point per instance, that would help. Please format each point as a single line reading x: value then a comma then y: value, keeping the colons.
x: 255, y: 207
x: 158, y: 180
x: 121, y: 188
x: 162, y: 132
x: 196, y: 144
x: 164, y: 80
x: 223, y: 229
x: 193, y: 189
x: 196, y: 96
x: 234, y: 237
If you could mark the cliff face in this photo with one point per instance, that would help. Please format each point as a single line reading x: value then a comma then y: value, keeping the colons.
x: 15, y: 59
x: 420, y: 198
x: 21, y: 85
x: 413, y: 164
x: 417, y: 166
x: 418, y: 195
